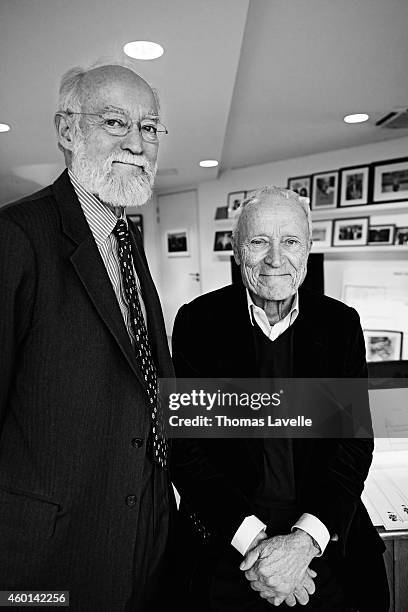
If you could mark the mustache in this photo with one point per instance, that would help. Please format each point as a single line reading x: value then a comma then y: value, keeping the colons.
x: 128, y: 158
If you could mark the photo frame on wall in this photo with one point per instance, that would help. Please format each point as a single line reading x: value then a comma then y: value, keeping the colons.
x: 301, y: 185
x: 354, y: 182
x: 138, y: 221
x: 177, y: 243
x: 234, y: 201
x: 222, y: 241
x: 322, y: 234
x: 381, y: 234
x: 324, y: 190
x: 350, y: 232
x: 383, y: 344
x: 401, y: 236
x: 390, y: 180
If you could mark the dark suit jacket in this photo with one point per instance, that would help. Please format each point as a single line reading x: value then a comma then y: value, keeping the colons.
x: 72, y: 399
x: 217, y: 478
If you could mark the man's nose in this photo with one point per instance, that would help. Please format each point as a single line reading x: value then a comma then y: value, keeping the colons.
x: 133, y: 140
x: 273, y: 256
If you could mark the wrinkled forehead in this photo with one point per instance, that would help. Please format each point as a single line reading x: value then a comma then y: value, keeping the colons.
x: 272, y: 214
x: 114, y: 87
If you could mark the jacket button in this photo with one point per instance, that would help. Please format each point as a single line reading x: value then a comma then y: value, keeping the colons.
x: 137, y: 442
x: 131, y: 500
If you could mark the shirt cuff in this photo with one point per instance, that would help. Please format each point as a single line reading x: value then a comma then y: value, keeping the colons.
x: 315, y: 528
x: 246, y: 532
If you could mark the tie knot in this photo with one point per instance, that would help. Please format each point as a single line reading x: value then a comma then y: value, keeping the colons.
x: 120, y: 230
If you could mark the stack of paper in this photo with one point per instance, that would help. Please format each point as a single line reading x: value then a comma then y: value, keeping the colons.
x: 386, y: 496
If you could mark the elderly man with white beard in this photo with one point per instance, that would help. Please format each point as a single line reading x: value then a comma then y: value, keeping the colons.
x: 85, y: 496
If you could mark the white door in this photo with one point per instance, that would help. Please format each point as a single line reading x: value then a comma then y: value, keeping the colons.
x: 179, y: 252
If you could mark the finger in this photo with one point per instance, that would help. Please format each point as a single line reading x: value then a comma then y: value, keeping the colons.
x: 309, y: 585
x: 311, y: 573
x: 277, y: 601
x: 301, y: 595
x: 249, y: 560
x: 251, y: 575
x: 290, y: 600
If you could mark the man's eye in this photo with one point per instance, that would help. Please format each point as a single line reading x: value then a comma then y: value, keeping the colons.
x: 111, y: 122
x: 150, y: 128
x: 257, y: 242
x: 291, y: 241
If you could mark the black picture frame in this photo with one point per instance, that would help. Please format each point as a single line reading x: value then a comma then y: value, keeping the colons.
x: 339, y: 241
x: 222, y: 241
x: 387, y: 177
x: 381, y: 234
x: 325, y: 190
x: 302, y: 185
x: 354, y: 185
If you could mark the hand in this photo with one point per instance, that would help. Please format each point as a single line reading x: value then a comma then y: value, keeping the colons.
x: 277, y: 565
x: 299, y: 595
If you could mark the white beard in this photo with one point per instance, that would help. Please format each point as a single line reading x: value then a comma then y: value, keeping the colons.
x: 115, y: 190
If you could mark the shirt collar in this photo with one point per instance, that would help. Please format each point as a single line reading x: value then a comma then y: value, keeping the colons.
x: 252, y: 307
x: 101, y: 219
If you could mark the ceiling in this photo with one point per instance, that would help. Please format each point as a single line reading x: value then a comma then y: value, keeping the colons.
x: 241, y: 81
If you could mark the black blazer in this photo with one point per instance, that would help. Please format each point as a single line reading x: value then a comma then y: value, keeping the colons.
x: 217, y: 477
x: 72, y: 399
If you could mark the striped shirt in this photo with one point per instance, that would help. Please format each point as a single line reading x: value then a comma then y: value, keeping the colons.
x: 102, y: 220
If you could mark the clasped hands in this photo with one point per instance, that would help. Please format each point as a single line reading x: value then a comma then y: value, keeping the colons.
x: 278, y: 567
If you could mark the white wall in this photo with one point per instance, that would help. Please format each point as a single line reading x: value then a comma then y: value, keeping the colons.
x: 215, y: 271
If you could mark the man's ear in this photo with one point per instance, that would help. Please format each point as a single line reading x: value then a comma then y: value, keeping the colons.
x: 64, y: 131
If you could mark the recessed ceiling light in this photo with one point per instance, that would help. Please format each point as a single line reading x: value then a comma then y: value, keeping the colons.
x: 208, y: 163
x: 143, y: 49
x: 4, y: 127
x: 356, y: 118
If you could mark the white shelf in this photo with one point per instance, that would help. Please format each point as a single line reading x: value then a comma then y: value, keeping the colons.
x: 361, y: 211
x: 363, y: 249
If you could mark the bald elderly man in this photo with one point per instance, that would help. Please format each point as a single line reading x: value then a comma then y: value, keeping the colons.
x: 85, y: 498
x: 268, y: 522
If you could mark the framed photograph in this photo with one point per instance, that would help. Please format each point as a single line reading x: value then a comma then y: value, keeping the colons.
x: 383, y: 344
x: 177, y: 243
x: 354, y: 186
x: 390, y: 180
x: 222, y: 241
x: 324, y: 190
x: 401, y: 236
x: 381, y: 234
x: 234, y: 201
x: 138, y: 221
x: 221, y: 212
x: 350, y: 232
x: 322, y: 233
x: 300, y: 184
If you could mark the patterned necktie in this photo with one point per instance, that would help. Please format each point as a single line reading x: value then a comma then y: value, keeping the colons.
x: 142, y: 345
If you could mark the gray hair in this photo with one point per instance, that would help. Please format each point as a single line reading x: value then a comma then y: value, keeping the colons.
x: 273, y: 193
x: 70, y: 87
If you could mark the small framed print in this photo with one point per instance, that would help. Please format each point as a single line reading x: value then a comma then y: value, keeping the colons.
x: 221, y: 212
x: 301, y: 185
x: 138, y: 221
x: 322, y: 233
x: 390, y: 180
x: 222, y: 241
x: 381, y: 234
x: 350, y: 232
x: 383, y: 344
x: 234, y: 201
x: 401, y: 236
x: 324, y: 190
x: 177, y: 243
x: 354, y: 186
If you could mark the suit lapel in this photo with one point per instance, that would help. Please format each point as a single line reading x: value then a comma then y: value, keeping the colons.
x: 90, y: 269
x: 310, y: 351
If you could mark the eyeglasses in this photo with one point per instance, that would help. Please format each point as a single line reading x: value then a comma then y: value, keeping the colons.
x: 119, y: 124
